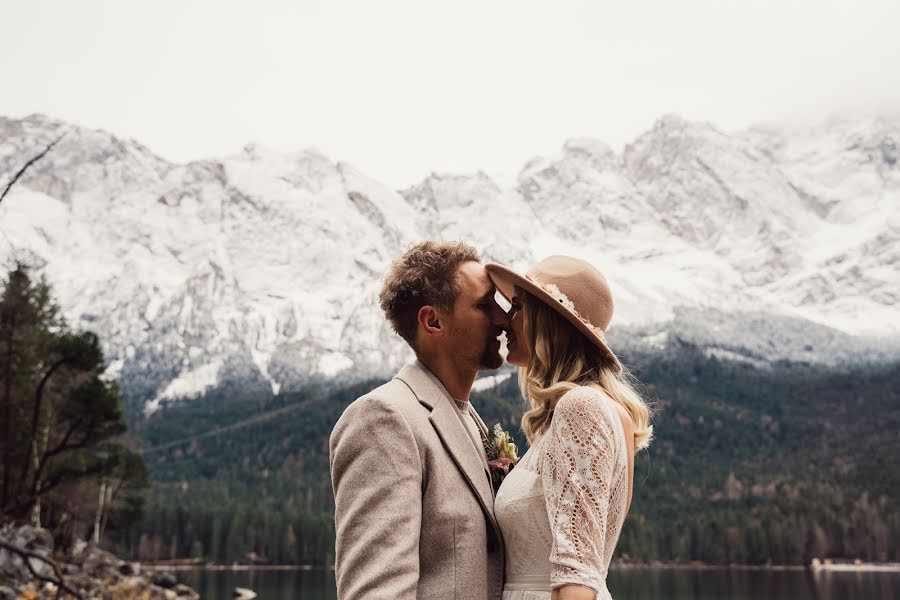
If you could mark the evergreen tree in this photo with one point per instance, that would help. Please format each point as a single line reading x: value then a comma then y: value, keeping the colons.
x: 27, y: 319
x: 60, y: 418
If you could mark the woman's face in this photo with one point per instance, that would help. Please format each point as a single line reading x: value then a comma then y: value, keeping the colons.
x: 517, y: 351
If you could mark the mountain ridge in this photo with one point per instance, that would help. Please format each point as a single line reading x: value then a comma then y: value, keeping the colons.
x: 262, y: 268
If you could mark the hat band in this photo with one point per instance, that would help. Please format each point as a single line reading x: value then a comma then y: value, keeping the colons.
x: 557, y: 294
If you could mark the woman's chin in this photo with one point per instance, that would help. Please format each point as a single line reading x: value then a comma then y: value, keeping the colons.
x: 514, y: 360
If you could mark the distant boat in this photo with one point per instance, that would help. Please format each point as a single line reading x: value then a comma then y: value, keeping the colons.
x: 244, y: 594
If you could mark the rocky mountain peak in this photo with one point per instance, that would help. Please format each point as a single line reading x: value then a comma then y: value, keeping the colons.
x: 263, y: 268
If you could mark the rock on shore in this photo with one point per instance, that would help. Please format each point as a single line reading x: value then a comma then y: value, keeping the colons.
x: 92, y: 572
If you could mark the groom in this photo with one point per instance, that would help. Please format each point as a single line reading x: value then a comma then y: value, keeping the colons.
x: 413, y: 499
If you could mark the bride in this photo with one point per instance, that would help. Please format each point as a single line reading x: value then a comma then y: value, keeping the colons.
x: 561, y: 509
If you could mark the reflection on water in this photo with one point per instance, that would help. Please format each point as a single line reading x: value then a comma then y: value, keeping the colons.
x: 268, y: 585
x: 651, y: 584
x: 733, y: 584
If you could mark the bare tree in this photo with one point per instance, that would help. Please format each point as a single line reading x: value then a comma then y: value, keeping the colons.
x: 27, y: 165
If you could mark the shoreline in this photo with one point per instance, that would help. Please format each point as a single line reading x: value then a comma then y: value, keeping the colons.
x: 816, y: 566
x: 693, y: 566
x: 843, y: 567
x: 217, y: 567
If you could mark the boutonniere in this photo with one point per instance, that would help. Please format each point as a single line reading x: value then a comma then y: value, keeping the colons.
x: 502, y: 454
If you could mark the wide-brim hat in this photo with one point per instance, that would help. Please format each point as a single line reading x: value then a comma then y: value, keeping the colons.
x: 572, y: 287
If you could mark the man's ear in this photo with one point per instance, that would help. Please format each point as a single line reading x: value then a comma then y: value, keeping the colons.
x: 429, y: 320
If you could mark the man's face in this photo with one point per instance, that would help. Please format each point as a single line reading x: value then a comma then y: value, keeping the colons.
x: 477, y: 321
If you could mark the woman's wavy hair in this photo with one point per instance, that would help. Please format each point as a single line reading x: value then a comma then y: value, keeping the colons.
x: 561, y: 358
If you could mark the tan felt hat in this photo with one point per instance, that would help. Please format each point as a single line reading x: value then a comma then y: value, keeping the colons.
x: 573, y: 287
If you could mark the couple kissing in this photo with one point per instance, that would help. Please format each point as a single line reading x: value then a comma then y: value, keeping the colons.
x: 414, y: 467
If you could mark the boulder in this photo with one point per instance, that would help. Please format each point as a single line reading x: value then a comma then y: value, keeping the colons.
x: 78, y: 550
x: 101, y: 564
x: 12, y: 565
x: 32, y: 538
x: 94, y: 572
x: 184, y: 591
x: 165, y: 580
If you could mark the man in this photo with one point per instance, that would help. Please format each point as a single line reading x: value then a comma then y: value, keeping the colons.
x: 413, y: 499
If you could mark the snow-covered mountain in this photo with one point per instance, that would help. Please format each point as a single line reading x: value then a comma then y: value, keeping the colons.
x: 264, y: 267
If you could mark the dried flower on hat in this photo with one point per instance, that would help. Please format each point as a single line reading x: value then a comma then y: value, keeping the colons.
x: 558, y: 295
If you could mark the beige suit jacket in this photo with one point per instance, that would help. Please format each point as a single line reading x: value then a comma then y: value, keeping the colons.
x: 413, y: 501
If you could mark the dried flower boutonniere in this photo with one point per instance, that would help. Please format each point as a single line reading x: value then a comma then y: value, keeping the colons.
x: 502, y: 454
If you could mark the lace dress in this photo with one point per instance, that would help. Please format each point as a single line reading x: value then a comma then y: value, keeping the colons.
x: 561, y: 508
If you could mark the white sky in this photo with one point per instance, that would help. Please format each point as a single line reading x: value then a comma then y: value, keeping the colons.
x: 401, y: 89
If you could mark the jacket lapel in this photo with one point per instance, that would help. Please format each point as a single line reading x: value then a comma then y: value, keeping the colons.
x: 453, y: 436
x: 484, y: 432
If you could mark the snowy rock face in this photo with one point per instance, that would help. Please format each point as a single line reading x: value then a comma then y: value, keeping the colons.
x: 264, y: 268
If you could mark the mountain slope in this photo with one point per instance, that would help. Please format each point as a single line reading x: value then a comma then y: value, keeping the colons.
x: 262, y: 269
x: 747, y: 466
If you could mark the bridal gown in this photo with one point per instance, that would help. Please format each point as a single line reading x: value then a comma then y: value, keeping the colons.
x: 561, y: 508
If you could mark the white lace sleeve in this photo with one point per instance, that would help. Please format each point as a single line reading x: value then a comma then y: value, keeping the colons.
x: 578, y: 461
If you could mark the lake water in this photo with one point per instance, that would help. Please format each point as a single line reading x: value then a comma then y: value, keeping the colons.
x: 650, y: 584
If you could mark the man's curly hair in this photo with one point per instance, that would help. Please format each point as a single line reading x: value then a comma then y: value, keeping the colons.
x: 426, y: 275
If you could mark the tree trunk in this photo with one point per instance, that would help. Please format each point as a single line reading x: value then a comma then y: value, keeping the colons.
x: 38, y: 448
x: 100, y: 506
x: 7, y: 412
x: 36, y: 509
x: 107, y: 503
x: 36, y: 421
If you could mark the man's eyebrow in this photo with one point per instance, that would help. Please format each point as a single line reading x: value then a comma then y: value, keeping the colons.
x: 489, y: 294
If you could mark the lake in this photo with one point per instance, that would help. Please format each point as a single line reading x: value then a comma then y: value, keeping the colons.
x: 631, y: 584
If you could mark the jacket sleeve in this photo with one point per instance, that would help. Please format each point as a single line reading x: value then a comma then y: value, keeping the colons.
x: 376, y: 474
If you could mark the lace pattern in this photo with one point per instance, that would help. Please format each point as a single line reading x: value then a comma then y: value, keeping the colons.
x: 582, y: 462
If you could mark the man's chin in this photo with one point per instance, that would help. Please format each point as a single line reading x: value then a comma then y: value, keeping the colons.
x: 491, y: 361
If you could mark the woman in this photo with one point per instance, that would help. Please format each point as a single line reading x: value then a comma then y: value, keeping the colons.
x: 561, y: 509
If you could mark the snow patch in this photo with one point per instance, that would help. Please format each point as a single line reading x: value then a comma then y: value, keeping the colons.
x: 485, y: 383
x: 261, y: 360
x: 333, y: 363
x: 189, y: 384
x: 113, y: 371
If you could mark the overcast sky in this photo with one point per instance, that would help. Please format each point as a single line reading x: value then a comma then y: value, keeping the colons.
x: 401, y: 89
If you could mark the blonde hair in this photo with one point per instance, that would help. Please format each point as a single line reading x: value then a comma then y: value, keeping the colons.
x: 562, y: 358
